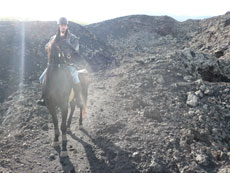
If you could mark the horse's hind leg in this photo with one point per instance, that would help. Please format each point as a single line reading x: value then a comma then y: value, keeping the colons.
x: 56, y: 130
x: 64, y: 112
x: 85, y: 95
x: 72, y: 106
x: 80, y: 119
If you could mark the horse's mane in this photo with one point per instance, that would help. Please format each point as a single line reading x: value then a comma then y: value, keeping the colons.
x: 50, y: 48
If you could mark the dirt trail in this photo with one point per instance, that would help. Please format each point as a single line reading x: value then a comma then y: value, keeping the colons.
x: 90, y: 149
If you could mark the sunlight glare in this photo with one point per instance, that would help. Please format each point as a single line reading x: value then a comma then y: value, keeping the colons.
x: 22, y: 56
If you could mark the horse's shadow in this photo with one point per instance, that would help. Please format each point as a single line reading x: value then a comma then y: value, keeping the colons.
x: 112, y: 154
x: 66, y: 164
x: 96, y: 165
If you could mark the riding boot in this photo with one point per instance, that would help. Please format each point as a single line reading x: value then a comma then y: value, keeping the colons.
x: 78, y: 95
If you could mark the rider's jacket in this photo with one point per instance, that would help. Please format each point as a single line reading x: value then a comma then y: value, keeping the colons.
x: 70, y: 39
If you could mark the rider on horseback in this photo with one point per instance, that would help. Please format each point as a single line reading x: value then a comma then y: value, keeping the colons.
x: 66, y: 37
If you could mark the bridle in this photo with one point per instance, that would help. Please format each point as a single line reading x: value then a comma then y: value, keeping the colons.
x: 61, y: 56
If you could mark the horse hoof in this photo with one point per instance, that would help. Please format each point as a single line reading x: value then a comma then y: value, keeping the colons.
x: 55, y: 144
x: 64, y: 154
x: 68, y: 130
x: 80, y: 127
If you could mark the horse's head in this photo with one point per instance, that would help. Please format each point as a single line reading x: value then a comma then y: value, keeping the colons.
x: 66, y: 48
x: 60, y: 51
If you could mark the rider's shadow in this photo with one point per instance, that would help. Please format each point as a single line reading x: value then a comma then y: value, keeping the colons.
x: 112, y: 154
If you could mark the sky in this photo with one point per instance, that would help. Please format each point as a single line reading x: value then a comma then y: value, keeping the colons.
x: 89, y: 11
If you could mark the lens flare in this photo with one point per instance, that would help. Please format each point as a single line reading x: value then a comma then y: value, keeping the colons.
x: 22, y: 56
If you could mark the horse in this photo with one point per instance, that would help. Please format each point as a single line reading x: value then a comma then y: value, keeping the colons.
x: 56, y: 90
x: 83, y: 75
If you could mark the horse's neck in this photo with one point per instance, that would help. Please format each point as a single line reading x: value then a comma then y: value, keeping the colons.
x: 57, y: 58
x: 54, y: 68
x: 54, y: 61
x: 57, y: 76
x: 53, y: 53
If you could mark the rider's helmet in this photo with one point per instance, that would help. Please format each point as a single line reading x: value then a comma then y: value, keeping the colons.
x: 62, y: 21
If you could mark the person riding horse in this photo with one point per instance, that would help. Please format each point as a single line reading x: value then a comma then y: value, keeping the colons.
x: 58, y: 82
x: 68, y: 40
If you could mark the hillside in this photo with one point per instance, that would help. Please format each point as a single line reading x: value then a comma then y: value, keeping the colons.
x: 28, y: 39
x: 158, y: 100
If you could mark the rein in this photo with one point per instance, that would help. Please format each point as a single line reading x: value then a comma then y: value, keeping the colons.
x: 57, y: 64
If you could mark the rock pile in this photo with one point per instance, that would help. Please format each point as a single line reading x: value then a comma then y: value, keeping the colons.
x: 163, y: 106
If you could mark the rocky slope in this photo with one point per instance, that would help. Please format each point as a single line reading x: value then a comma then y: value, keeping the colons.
x: 162, y: 107
x: 22, y: 47
x: 213, y: 36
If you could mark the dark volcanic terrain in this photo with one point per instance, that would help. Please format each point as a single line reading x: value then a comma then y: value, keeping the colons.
x: 159, y: 97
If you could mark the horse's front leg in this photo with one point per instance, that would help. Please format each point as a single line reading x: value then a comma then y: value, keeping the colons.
x: 64, y: 112
x: 52, y: 111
